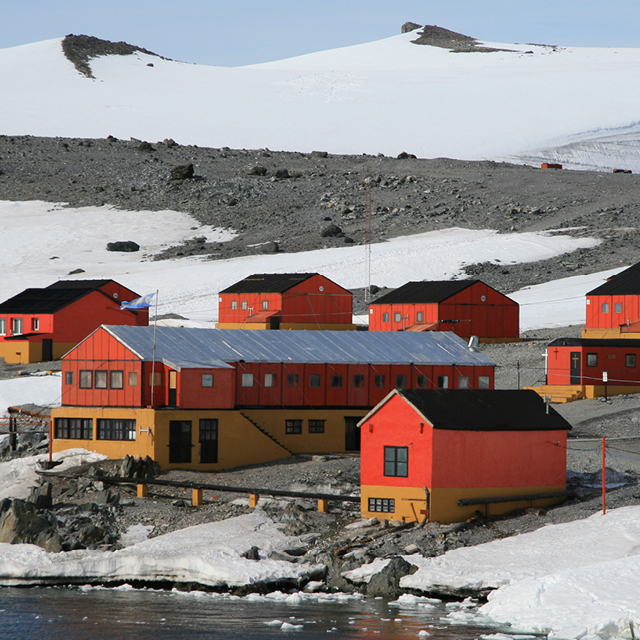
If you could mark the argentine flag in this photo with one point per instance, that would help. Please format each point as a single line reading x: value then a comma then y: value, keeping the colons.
x: 143, y: 302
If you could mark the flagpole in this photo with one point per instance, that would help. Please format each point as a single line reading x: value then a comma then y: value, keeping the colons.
x: 153, y: 362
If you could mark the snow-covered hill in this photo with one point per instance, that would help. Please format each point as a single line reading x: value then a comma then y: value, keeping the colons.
x: 530, y: 102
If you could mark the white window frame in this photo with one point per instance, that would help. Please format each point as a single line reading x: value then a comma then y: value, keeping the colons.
x: 16, y: 326
x: 247, y: 379
x: 3, y: 326
x: 35, y: 324
x: 207, y: 379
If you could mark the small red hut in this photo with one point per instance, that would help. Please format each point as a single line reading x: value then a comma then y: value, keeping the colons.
x: 43, y: 324
x: 286, y: 301
x: 466, y: 307
x: 613, y: 308
x: 426, y: 451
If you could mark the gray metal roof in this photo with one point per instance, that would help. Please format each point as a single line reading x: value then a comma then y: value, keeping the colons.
x: 185, y: 347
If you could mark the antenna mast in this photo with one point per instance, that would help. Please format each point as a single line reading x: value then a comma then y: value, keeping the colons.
x: 367, y: 239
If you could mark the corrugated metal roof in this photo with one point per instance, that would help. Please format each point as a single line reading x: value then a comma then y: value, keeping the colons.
x: 268, y: 283
x: 215, y: 346
x: 424, y: 292
x: 626, y: 283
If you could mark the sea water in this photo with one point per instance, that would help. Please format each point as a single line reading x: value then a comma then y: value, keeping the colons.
x: 129, y: 614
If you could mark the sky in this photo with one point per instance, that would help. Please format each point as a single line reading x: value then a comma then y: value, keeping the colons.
x: 238, y: 32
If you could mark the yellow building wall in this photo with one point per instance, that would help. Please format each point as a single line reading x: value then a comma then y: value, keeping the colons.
x: 331, y: 441
x: 60, y: 348
x: 598, y: 390
x: 15, y: 352
x: 444, y: 506
x: 608, y: 334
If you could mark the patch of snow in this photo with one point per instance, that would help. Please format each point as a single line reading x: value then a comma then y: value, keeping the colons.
x: 136, y: 533
x: 365, y: 572
x: 41, y: 390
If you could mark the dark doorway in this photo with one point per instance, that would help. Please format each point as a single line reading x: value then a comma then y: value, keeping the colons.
x: 47, y: 349
x: 274, y: 323
x: 209, y: 440
x: 173, y: 389
x: 576, y: 362
x: 351, y: 433
x: 180, y: 441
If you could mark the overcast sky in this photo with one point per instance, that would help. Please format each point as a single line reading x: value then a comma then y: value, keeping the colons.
x: 236, y: 32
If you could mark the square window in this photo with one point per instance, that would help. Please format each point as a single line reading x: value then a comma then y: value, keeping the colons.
x: 247, y: 379
x: 116, y: 379
x: 207, y: 379
x: 420, y: 316
x: 618, y: 307
x: 244, y: 304
x: 101, y: 379
x: 379, y: 382
x: 422, y: 382
x: 401, y: 382
x: 358, y: 381
x: 592, y: 359
x: 293, y: 379
x: 16, y: 326
x: 270, y: 379
x: 605, y: 307
x: 463, y: 382
x: 630, y: 360
x: 155, y: 379
x: 382, y: 505
x: 397, y: 317
x: 86, y: 379
x: 396, y: 461
x: 35, y: 324
x: 316, y: 426
x: 68, y: 377
x: 234, y: 304
x: 443, y: 382
x: 483, y: 382
x: 336, y: 381
x: 116, y: 429
x: 314, y: 380
x: 293, y: 426
x: 265, y: 304
x: 133, y: 378
x: 3, y: 327
x: 385, y: 317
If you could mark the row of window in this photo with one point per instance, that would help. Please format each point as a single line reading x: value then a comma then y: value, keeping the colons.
x: 617, y: 307
x: 357, y: 381
x: 17, y: 327
x: 100, y: 379
x: 629, y: 360
x: 398, y: 317
x: 295, y: 426
x: 82, y: 429
x: 244, y: 304
x: 382, y: 505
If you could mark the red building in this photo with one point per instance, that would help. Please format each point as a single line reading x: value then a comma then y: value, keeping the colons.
x: 43, y: 324
x: 423, y: 451
x: 582, y: 364
x: 286, y: 301
x: 268, y: 393
x: 613, y: 308
x: 466, y: 307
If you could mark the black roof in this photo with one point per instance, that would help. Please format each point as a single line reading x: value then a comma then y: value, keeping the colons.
x: 43, y: 300
x: 425, y: 292
x: 485, y: 410
x: 594, y: 342
x: 268, y: 283
x: 78, y: 284
x: 627, y: 282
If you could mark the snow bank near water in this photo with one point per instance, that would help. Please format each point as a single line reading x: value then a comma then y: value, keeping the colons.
x: 208, y: 554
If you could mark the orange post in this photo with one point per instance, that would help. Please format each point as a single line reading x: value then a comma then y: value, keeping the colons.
x: 196, y: 497
x: 253, y: 500
x: 323, y: 506
x: 604, y: 476
x: 142, y: 491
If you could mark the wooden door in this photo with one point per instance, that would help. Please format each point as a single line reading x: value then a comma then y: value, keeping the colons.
x: 180, y: 441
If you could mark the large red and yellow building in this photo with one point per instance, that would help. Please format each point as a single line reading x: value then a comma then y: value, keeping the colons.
x: 212, y: 399
x: 43, y: 324
x: 425, y: 450
x: 286, y: 301
x: 465, y: 307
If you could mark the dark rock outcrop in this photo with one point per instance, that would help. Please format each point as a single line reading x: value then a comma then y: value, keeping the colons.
x: 387, y: 582
x: 128, y: 246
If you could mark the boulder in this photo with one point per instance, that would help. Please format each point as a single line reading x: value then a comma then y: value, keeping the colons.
x: 403, y: 155
x: 181, y: 172
x: 127, y: 246
x: 387, y: 582
x: 41, y: 496
x: 332, y: 231
x: 169, y: 142
x: 269, y: 247
x: 256, y: 170
x: 251, y: 554
x: 282, y: 174
x: 21, y: 523
x: 407, y: 27
x: 319, y: 154
x: 145, y: 146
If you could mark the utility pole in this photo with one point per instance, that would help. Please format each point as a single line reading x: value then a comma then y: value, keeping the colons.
x: 367, y: 239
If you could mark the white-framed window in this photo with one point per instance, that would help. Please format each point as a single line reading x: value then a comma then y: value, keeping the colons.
x: 605, y: 307
x: 385, y: 317
x: 463, y: 382
x: 207, y: 379
x: 483, y: 382
x: 397, y: 317
x: 35, y: 324
x: 265, y: 304
x: 3, y: 326
x: 244, y: 304
x: 420, y: 316
x: 270, y: 379
x: 16, y: 326
x: 618, y: 307
x: 247, y: 379
x: 234, y: 304
x: 443, y: 382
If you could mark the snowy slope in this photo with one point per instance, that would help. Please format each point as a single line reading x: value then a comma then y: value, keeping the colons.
x: 385, y: 96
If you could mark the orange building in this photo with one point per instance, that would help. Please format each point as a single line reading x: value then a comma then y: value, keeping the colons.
x: 613, y: 308
x: 424, y: 450
x: 43, y: 324
x: 466, y: 307
x: 212, y: 399
x: 286, y: 301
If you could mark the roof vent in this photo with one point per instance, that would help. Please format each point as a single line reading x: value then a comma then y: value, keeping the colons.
x: 473, y: 343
